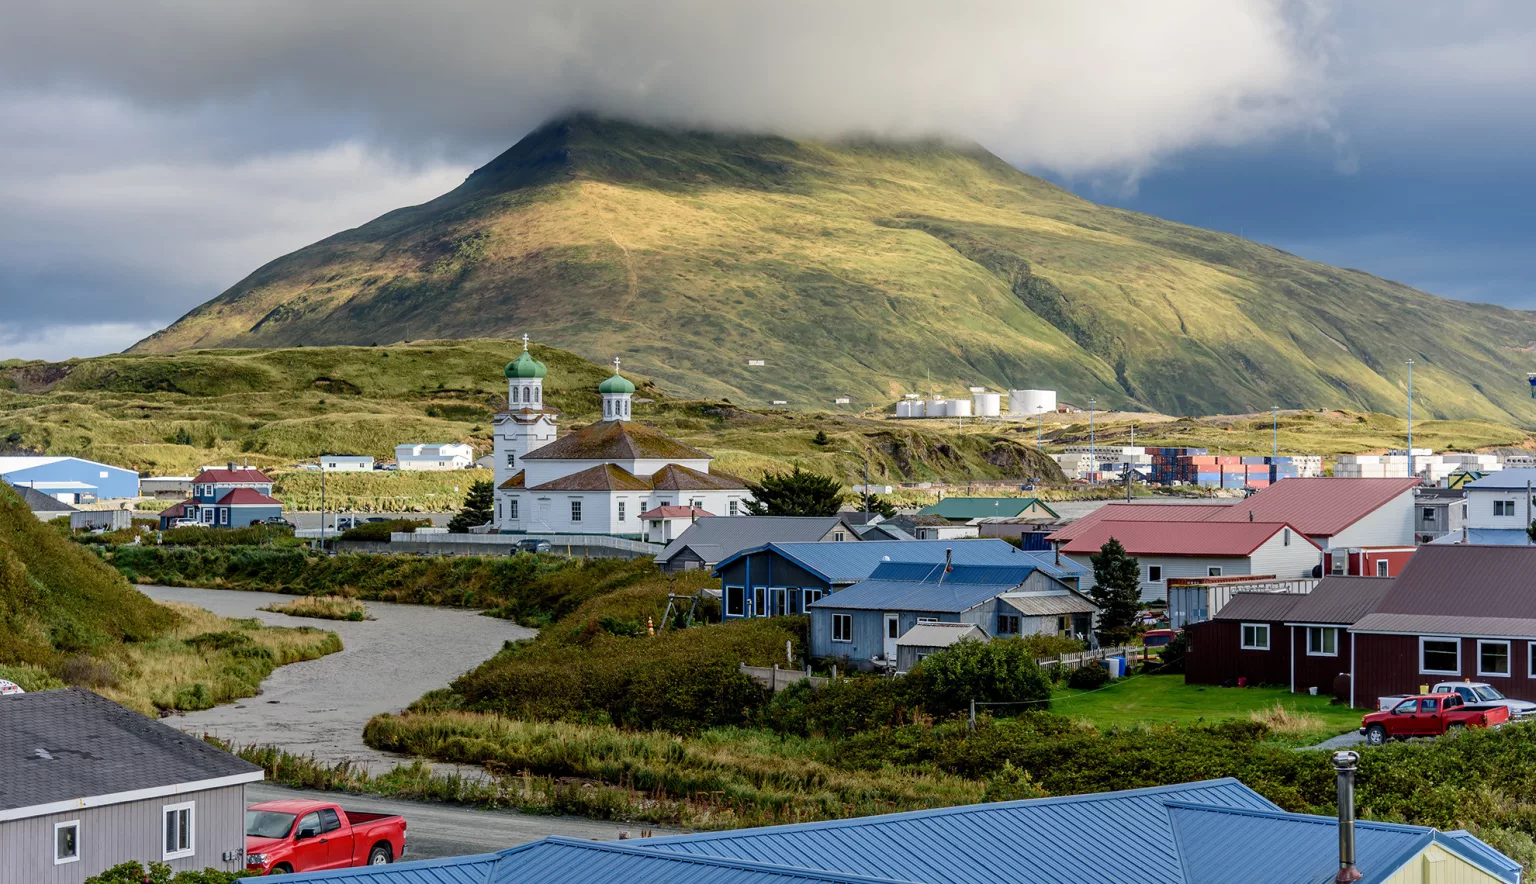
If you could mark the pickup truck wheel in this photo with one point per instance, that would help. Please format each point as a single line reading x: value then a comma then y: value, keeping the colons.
x: 1376, y: 735
x: 281, y: 869
x: 379, y: 855
x: 1456, y: 728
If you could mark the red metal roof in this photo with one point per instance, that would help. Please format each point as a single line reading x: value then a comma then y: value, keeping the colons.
x: 247, y: 497
x: 676, y: 512
x: 1320, y: 507
x: 177, y: 510
x: 232, y: 477
x: 1142, y: 512
x: 1179, y: 538
x: 1460, y: 589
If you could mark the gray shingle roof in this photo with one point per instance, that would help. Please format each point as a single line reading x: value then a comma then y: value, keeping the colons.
x: 72, y: 744
x: 714, y: 540
x: 38, y: 502
x: 1339, y: 599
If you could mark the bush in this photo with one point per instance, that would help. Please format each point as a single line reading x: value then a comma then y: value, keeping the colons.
x: 1088, y: 677
x: 1171, y: 660
x: 30, y: 678
x: 1042, y: 645
x: 846, y: 706
x: 132, y: 872
x: 378, y: 532
x: 1003, y: 670
x: 249, y: 535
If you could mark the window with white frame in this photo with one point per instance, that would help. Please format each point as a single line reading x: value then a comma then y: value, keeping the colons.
x: 1439, y: 656
x: 1154, y: 573
x: 1381, y: 567
x: 512, y: 508
x: 575, y: 511
x: 178, y: 830
x: 839, y: 536
x: 735, y: 601
x: 812, y: 595
x: 1322, y: 641
x: 511, y: 460
x: 66, y: 842
x: 734, y: 508
x: 621, y: 511
x: 1493, y: 658
x: 1255, y: 637
x: 1285, y: 537
x: 842, y: 627
x: 1213, y: 571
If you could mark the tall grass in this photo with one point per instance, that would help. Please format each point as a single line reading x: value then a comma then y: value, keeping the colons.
x: 322, y: 607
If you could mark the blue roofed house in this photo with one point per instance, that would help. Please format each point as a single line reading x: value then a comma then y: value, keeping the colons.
x: 1207, y: 832
x: 774, y: 579
x: 70, y: 479
x: 1498, y: 510
x: 863, y: 625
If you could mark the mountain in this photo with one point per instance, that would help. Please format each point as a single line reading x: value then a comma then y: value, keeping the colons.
x: 867, y: 269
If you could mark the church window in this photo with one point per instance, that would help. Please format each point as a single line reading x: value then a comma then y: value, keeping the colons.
x: 512, y: 509
x: 621, y: 511
x: 735, y: 509
x: 537, y: 394
x: 575, y: 511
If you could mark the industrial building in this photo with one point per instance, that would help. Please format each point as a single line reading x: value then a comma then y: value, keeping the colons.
x: 70, y: 479
x: 981, y: 403
x: 444, y: 456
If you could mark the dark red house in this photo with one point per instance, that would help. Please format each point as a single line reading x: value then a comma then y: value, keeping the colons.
x: 1318, y: 627
x: 1457, y: 612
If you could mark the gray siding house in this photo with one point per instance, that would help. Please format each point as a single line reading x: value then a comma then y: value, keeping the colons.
x: 86, y: 784
x: 709, y: 541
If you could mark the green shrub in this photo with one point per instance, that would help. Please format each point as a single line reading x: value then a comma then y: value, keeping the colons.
x: 248, y: 535
x: 1171, y: 660
x: 30, y: 678
x: 999, y: 671
x: 132, y: 872
x: 378, y: 532
x: 1088, y: 677
x: 1042, y: 645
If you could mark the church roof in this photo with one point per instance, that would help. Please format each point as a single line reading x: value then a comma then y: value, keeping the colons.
x: 616, y: 440
x: 616, y: 384
x: 525, y: 366
x: 674, y: 477
x: 603, y: 477
x: 514, y: 482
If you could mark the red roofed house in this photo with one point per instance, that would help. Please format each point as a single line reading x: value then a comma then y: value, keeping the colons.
x: 666, y: 523
x: 1197, y: 549
x: 227, y: 498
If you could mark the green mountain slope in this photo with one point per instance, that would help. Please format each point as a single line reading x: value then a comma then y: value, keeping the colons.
x: 867, y: 269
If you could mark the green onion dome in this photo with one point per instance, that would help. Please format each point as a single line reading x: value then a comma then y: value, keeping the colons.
x: 616, y: 384
x: 525, y: 366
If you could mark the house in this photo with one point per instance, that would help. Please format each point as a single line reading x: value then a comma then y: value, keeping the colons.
x: 1172, y: 549
x: 706, y: 542
x: 1207, y: 832
x: 1456, y: 611
x: 1497, y: 511
x: 166, y: 487
x: 924, y: 527
x: 881, y: 531
x: 1367, y: 561
x: 1295, y: 639
x: 70, y: 479
x: 348, y: 463
x: 783, y: 578
x: 598, y: 479
x: 439, y: 456
x: 932, y: 636
x: 666, y: 522
x: 1030, y: 532
x: 962, y: 510
x: 232, y: 497
x: 86, y: 784
x: 861, y: 625
x: 1440, y: 512
x: 43, y: 506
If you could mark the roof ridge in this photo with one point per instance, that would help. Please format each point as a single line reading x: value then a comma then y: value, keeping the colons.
x: 703, y: 859
x: 1294, y: 816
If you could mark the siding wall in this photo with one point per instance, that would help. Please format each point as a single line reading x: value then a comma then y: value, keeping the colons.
x: 868, y: 633
x: 1216, y: 655
x: 1285, y: 562
x: 1480, y: 508
x: 1436, y: 865
x: 1390, y: 525
x: 1389, y: 664
x: 110, y: 482
x: 766, y: 569
x: 121, y: 832
x: 1174, y: 566
x: 1318, y: 672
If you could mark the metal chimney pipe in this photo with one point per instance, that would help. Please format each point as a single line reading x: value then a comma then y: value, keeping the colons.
x: 949, y: 559
x: 1346, y: 763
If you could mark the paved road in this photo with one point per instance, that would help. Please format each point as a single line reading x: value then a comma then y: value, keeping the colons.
x: 312, y: 520
x: 436, y: 830
x: 319, y: 707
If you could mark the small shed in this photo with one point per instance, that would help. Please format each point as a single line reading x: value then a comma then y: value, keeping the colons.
x: 930, y: 637
x: 112, y: 520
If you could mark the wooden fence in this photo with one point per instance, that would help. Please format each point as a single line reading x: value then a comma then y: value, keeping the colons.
x: 777, y: 679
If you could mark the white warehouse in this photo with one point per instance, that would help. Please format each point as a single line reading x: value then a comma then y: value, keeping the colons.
x: 443, y: 456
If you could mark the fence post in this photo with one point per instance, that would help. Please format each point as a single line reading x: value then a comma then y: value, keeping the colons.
x: 973, y: 715
x: 773, y: 680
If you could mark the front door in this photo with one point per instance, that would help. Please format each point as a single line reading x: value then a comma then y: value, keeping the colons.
x: 779, y: 597
x: 892, y: 632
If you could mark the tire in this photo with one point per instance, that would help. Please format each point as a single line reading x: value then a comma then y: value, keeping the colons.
x: 380, y: 855
x: 1455, y: 730
x: 1376, y: 735
x: 281, y: 869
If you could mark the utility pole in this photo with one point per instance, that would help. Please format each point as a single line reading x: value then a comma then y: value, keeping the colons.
x: 1410, y: 418
x: 1276, y: 409
x: 1040, y: 428
x: 1093, y: 453
x: 322, y: 502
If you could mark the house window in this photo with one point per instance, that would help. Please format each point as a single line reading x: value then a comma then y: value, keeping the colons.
x: 1503, y: 507
x: 1381, y: 567
x: 178, y: 830
x: 1429, y: 515
x: 734, y: 508
x: 812, y: 595
x: 1285, y: 537
x: 760, y: 601
x: 512, y: 508
x: 735, y: 601
x: 1322, y: 641
x: 621, y: 511
x: 511, y: 459
x: 1007, y: 624
x: 575, y: 511
x: 1493, y: 658
x: 839, y: 536
x: 1213, y: 571
x: 1154, y: 573
x: 892, y: 626
x: 66, y: 842
x: 842, y: 627
x: 697, y: 503
x: 224, y: 516
x: 1255, y: 637
x: 1439, y: 656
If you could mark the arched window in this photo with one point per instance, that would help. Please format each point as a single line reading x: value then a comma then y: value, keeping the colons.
x: 536, y: 394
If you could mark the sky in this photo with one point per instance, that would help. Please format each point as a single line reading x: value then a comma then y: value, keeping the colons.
x: 154, y: 152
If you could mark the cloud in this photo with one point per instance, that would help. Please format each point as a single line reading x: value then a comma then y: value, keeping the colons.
x: 62, y: 341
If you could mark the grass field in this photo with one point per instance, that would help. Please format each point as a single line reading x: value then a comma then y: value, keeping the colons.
x: 1166, y: 699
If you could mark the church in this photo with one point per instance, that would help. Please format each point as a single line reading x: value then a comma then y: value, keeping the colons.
x: 613, y: 477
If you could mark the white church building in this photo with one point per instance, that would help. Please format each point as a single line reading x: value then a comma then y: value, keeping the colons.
x: 601, y: 479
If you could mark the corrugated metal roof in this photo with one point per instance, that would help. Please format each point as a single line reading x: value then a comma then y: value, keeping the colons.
x: 1320, y: 507
x: 1223, y: 539
x: 1465, y: 581
x: 940, y: 635
x: 931, y: 571
x: 676, y: 477
x: 1054, y: 605
x: 616, y: 440
x: 1505, y: 480
x: 1259, y: 606
x: 38, y: 502
x: 850, y: 562
x: 1141, y: 512
x: 474, y: 869
x: 556, y: 860
x: 1341, y: 599
x: 964, y: 508
x: 716, y: 539
x: 909, y: 595
x: 1039, y: 841
x: 1447, y: 624
x: 244, y: 476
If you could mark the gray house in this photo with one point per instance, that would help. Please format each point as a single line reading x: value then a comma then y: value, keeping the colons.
x: 861, y: 625
x: 86, y: 784
x: 708, y: 542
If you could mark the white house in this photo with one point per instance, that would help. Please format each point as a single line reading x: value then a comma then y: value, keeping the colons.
x: 445, y: 456
x: 346, y: 463
x: 599, y: 479
x: 1499, y: 508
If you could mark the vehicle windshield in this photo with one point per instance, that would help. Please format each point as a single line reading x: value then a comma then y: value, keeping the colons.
x: 267, y: 824
x: 1487, y: 693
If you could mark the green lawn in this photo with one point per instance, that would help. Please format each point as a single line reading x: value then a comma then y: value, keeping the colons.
x: 1166, y: 699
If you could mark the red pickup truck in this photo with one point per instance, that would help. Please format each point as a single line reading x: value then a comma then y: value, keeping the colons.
x: 1428, y: 715
x: 297, y: 835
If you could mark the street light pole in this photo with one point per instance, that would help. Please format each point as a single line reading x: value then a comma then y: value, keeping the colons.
x: 1093, y: 452
x: 1276, y: 409
x: 322, y: 502
x: 1410, y: 419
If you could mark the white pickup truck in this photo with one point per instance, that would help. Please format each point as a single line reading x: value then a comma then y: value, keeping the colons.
x: 1477, y: 693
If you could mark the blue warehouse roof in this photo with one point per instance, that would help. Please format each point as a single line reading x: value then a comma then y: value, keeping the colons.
x: 851, y: 562
x: 905, y: 586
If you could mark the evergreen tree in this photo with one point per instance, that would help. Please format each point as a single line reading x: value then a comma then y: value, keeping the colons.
x: 820, y: 438
x: 882, y: 506
x: 1117, y: 592
x: 479, y: 508
x: 796, y: 493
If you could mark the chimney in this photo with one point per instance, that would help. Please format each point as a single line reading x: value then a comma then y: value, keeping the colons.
x: 1346, y: 763
x: 232, y: 466
x: 1250, y: 515
x: 949, y: 559
x: 1057, y: 546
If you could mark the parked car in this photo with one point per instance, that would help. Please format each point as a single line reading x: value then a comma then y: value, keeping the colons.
x: 1158, y: 638
x: 186, y: 523
x: 346, y: 523
x: 298, y: 835
x: 372, y: 519
x: 1478, y: 694
x: 276, y: 521
x: 534, y: 546
x: 10, y: 687
x: 1428, y: 715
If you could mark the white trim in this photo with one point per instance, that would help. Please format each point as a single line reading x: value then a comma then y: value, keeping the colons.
x: 55, y: 846
x: 21, y: 813
x: 1312, y: 653
x: 166, y: 810
x: 1419, y: 632
x: 1244, y: 646
x: 1530, y: 658
x: 1509, y: 658
x: 1439, y: 638
x: 847, y: 640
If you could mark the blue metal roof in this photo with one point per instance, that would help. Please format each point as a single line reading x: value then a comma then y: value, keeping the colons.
x: 851, y: 562
x: 555, y: 860
x: 931, y: 572
x: 452, y: 870
x: 875, y: 594
x: 1110, y: 838
x: 1284, y: 848
x: 1505, y: 480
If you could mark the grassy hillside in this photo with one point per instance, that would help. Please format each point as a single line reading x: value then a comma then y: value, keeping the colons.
x: 867, y: 269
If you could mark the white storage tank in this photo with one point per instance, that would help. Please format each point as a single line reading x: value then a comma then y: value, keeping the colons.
x: 987, y: 404
x: 958, y: 408
x: 917, y: 408
x: 1028, y: 403
x: 904, y: 408
x: 938, y: 407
